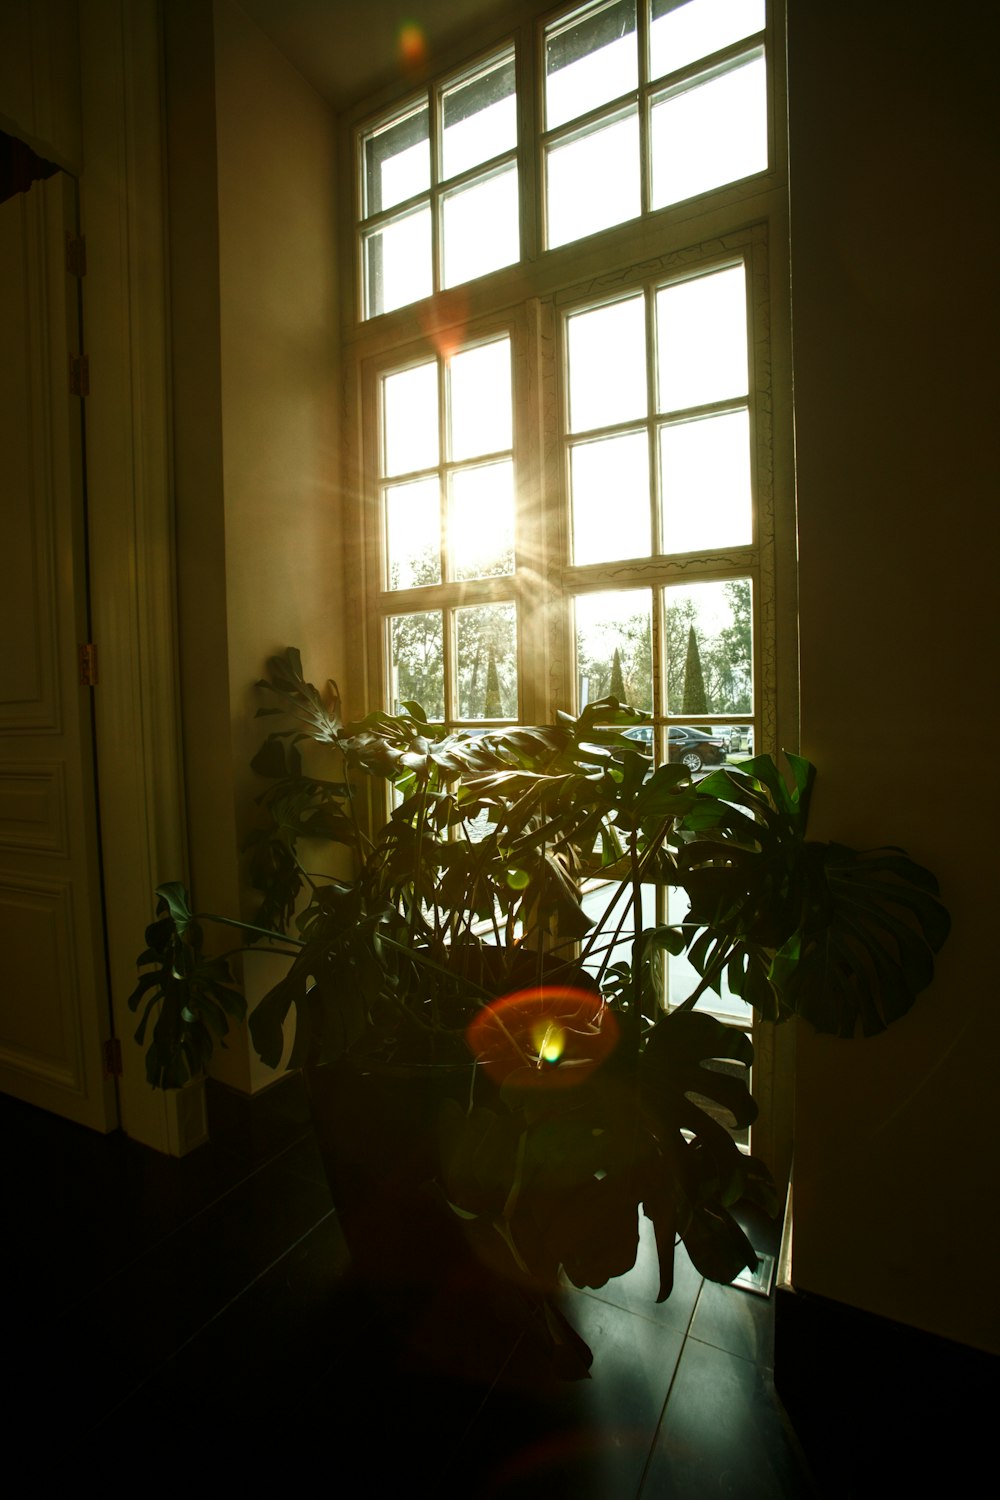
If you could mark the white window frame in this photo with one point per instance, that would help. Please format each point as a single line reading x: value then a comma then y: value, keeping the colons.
x: 745, y: 219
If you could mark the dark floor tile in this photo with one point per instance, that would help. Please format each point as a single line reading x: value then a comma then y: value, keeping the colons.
x: 185, y: 1279
x: 307, y: 1361
x: 724, y: 1433
x: 261, y: 1125
x: 637, y: 1290
x: 146, y: 1296
x: 590, y: 1439
x: 265, y: 1350
x: 740, y: 1322
x: 87, y: 1339
x: 79, y: 1207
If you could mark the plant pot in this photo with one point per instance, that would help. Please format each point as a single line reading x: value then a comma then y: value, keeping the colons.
x: 378, y: 1137
x: 378, y: 1134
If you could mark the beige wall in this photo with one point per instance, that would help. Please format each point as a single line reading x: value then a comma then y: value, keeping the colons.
x: 256, y: 393
x: 892, y: 139
x: 40, y: 77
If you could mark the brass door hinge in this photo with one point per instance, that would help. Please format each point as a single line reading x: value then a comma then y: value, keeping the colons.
x: 76, y: 254
x: 113, y: 1057
x: 79, y: 375
x: 88, y: 665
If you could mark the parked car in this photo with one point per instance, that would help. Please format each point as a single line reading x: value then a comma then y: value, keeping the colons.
x: 643, y: 733
x: 731, y: 736
x: 691, y: 747
x: 694, y: 748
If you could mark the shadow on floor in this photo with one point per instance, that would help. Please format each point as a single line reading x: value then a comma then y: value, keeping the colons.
x: 202, y: 1316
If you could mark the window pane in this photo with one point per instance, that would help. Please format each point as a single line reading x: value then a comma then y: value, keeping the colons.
x: 413, y: 523
x: 701, y: 340
x: 479, y: 401
x: 397, y: 161
x: 680, y: 34
x: 709, y: 648
x: 481, y: 521
x: 589, y: 61
x: 593, y: 181
x: 712, y: 133
x: 609, y: 485
x: 417, y: 661
x: 614, y: 655
x: 481, y: 227
x: 410, y: 419
x: 479, y: 118
x: 705, y: 483
x: 398, y: 263
x: 486, y: 643
x: 611, y: 338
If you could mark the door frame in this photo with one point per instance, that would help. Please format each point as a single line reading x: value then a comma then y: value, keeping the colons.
x: 131, y: 518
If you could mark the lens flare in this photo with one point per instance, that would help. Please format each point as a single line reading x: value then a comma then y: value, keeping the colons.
x: 444, y: 321
x: 411, y: 47
x: 548, y: 1037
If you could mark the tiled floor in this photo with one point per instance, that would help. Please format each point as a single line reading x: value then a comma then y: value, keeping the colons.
x: 200, y: 1316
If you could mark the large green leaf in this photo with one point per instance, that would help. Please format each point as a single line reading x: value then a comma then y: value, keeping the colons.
x: 700, y: 1172
x: 327, y: 987
x: 188, y: 995
x: 865, y: 947
x: 843, y: 937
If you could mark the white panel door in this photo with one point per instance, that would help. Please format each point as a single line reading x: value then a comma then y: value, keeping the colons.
x: 54, y: 1015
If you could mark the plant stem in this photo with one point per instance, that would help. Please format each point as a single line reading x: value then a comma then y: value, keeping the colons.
x: 264, y: 932
x: 713, y: 971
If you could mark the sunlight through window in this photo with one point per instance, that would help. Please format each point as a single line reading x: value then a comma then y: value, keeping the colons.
x: 566, y: 399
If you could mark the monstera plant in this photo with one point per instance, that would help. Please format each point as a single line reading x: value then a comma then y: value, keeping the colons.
x: 553, y: 1084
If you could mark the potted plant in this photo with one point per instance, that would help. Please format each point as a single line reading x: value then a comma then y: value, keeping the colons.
x: 491, y: 1066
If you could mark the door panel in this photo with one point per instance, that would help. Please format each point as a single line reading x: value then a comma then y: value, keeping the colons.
x: 54, y: 1012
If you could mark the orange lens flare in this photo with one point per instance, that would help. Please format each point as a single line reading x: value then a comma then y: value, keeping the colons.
x: 445, y: 323
x: 411, y: 47
x: 548, y: 1037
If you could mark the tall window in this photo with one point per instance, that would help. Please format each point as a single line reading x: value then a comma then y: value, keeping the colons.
x: 571, y: 394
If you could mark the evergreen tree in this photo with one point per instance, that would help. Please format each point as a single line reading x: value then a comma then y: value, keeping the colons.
x: 617, y: 688
x: 493, y: 708
x: 695, y: 697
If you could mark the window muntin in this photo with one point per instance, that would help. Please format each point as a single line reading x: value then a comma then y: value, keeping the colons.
x: 439, y: 189
x: 650, y: 102
x: 396, y: 160
x: 697, y: 114
x: 478, y: 118
x: 688, y: 340
x: 590, y: 59
x: 467, y: 396
x: 613, y: 638
x: 447, y: 499
x: 699, y: 636
x: 459, y: 664
x: 664, y: 365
